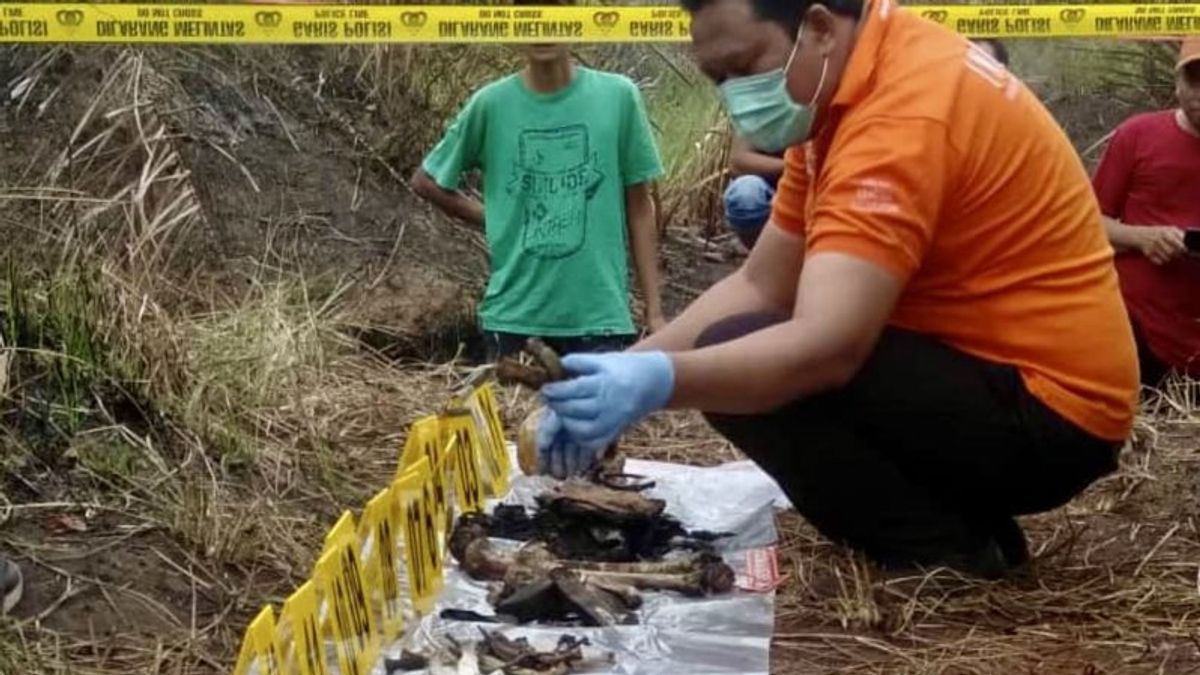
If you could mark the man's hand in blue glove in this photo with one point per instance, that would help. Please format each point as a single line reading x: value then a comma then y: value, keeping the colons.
x: 558, y: 455
x: 606, y: 394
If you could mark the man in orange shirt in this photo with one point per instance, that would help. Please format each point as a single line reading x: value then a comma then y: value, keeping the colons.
x: 928, y: 338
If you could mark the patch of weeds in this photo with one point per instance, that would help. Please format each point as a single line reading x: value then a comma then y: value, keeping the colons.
x: 253, y: 355
x: 107, y: 455
x: 329, y: 472
x: 69, y: 343
x: 65, y: 379
x: 237, y: 455
x: 54, y: 362
x: 214, y: 524
x: 16, y: 654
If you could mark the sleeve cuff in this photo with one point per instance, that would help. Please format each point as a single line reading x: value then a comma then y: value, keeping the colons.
x: 643, y: 177
x: 444, y: 182
x: 787, y: 220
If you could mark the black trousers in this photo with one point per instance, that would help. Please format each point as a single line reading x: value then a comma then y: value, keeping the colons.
x: 923, y: 458
x: 1152, y: 369
x: 498, y: 344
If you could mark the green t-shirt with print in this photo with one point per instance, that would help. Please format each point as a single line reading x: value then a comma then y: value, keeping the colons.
x: 555, y: 168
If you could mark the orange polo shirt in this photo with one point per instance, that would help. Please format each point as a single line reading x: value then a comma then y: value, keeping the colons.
x: 941, y: 167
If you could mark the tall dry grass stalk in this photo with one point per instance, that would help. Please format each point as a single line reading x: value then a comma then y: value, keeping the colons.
x: 694, y: 196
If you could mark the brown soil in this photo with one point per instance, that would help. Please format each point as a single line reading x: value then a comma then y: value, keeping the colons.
x: 110, y: 580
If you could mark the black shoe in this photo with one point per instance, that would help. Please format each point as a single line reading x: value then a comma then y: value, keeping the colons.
x: 986, y: 563
x: 1011, y: 539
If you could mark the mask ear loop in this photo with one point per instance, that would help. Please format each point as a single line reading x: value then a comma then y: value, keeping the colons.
x: 820, y: 82
x: 787, y: 68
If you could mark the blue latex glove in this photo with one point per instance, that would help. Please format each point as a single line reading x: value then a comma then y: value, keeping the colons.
x: 558, y: 455
x: 606, y: 394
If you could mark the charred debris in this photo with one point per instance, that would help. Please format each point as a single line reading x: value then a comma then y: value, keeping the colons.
x: 497, y: 653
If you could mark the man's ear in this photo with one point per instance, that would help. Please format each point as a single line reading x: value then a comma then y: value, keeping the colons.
x: 819, y: 28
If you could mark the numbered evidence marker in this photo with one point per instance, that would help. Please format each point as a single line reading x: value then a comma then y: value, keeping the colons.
x: 424, y: 441
x: 339, y: 578
x: 260, y: 653
x: 377, y: 532
x: 414, y: 493
x: 461, y: 442
x: 304, y: 646
x: 495, y: 460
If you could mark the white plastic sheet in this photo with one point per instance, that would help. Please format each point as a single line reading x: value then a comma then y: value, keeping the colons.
x: 720, y: 635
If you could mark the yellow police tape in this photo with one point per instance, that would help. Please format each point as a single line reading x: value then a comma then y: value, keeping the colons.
x: 373, y: 24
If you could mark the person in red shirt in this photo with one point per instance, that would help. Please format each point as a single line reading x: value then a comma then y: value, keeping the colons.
x: 1148, y: 186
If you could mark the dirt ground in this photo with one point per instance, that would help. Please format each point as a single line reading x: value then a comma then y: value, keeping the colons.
x: 155, y: 530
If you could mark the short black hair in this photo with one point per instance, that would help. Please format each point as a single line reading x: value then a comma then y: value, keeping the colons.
x: 787, y: 13
x: 998, y: 49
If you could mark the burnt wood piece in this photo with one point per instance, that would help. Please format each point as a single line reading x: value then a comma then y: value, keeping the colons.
x: 537, y: 586
x: 518, y: 657
x: 577, y: 534
x: 546, y: 366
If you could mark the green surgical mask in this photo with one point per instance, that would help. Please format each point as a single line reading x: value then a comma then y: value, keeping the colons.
x: 763, y: 111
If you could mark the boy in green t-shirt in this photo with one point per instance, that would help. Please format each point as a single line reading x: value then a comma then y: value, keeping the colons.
x: 567, y: 158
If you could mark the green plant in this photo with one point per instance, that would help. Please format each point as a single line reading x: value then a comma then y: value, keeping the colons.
x: 69, y: 337
x: 109, y: 455
x: 16, y: 333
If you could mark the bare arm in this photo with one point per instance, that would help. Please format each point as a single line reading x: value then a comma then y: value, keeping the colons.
x: 1161, y: 244
x: 846, y: 302
x: 766, y: 282
x: 453, y: 203
x: 643, y: 239
x: 1122, y: 237
x: 745, y: 160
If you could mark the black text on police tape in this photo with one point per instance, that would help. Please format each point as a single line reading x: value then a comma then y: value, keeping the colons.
x: 350, y: 30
